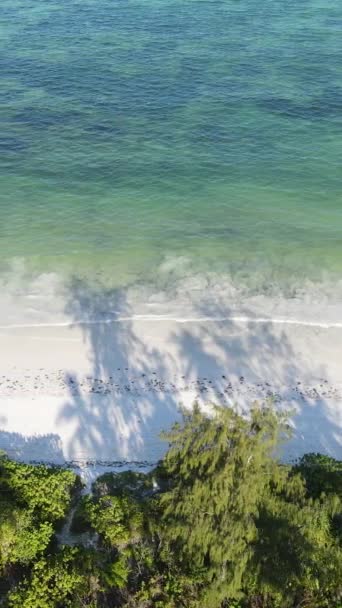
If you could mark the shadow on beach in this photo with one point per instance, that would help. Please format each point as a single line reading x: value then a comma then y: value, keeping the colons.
x: 31, y: 448
x: 143, y: 371
x: 121, y: 406
x: 140, y: 371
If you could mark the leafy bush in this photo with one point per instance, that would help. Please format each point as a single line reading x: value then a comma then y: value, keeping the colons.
x: 323, y: 478
x: 322, y: 474
x: 127, y: 483
x: 21, y: 541
x: 116, y: 519
x: 45, y: 491
x: 54, y: 582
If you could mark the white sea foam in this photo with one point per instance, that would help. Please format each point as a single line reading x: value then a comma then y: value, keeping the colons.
x: 163, y: 318
x: 49, y: 300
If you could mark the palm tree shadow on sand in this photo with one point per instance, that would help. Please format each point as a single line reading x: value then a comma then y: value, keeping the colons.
x: 141, y: 372
x: 120, y: 406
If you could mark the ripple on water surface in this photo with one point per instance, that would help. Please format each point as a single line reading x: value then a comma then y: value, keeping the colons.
x: 135, y: 132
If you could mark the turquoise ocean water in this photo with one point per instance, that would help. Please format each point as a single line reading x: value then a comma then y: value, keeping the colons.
x: 203, y: 135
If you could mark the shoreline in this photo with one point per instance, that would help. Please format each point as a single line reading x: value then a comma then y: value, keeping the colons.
x: 163, y: 318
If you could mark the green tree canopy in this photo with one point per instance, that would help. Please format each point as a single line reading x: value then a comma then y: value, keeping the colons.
x: 237, y: 517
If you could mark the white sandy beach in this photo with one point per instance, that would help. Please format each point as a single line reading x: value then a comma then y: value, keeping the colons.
x: 97, y: 393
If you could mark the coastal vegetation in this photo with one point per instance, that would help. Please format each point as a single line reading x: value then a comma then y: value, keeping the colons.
x: 220, y: 522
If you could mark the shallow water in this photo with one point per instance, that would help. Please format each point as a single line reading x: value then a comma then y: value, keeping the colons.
x: 153, y: 140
